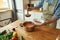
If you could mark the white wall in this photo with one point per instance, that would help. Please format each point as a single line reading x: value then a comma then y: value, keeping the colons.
x: 19, y: 4
x: 35, y: 2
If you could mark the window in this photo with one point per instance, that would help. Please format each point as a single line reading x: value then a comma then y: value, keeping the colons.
x: 4, y: 3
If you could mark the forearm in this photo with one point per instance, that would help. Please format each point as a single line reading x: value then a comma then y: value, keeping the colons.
x: 50, y: 21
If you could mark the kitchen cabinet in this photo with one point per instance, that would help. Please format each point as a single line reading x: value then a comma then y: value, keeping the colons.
x: 5, y: 17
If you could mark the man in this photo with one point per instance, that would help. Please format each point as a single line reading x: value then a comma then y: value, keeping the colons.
x: 40, y: 5
x: 56, y: 15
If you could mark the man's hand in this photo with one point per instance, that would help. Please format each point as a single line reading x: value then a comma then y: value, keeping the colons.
x: 36, y: 20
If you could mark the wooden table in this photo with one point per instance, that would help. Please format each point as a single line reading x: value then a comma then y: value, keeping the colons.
x: 41, y: 33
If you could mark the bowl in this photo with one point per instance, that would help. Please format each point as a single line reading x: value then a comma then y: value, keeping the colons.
x: 27, y: 15
x: 29, y: 26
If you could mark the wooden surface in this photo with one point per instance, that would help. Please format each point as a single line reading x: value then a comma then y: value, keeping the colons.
x: 35, y: 10
x: 41, y: 33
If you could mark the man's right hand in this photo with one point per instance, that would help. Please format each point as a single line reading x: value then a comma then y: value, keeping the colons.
x: 36, y: 20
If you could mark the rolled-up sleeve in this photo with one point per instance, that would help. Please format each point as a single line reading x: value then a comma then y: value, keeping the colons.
x: 57, y: 13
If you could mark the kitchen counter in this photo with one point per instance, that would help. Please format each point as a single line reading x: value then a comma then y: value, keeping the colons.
x: 35, y: 10
x: 41, y: 33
